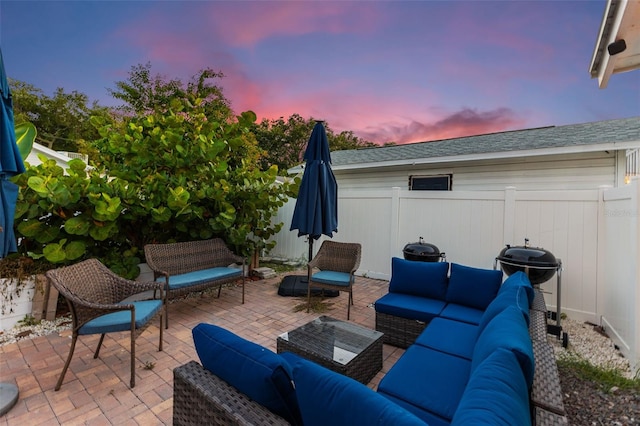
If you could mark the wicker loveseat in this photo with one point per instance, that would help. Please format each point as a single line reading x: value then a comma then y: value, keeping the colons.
x: 455, y: 373
x: 190, y: 266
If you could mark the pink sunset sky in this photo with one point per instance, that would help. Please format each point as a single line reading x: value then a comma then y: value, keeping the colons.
x: 400, y: 71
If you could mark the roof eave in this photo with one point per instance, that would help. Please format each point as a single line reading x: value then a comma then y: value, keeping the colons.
x: 610, y: 146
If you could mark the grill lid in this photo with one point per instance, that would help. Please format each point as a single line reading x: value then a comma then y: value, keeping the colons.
x: 528, y: 256
x: 421, y: 248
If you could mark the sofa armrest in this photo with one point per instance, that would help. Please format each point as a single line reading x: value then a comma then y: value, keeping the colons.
x: 200, y: 397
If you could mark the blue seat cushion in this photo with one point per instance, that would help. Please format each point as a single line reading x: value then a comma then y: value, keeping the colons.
x: 410, y: 307
x: 519, y: 279
x: 428, y: 379
x: 496, y: 395
x: 512, y: 295
x: 449, y: 336
x: 332, y: 277
x: 426, y: 279
x: 507, y: 330
x: 121, y: 320
x: 473, y: 287
x: 201, y: 276
x: 462, y: 313
x: 329, y: 398
x: 431, y: 419
x: 259, y: 373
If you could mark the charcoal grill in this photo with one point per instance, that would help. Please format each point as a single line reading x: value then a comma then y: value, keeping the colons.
x: 540, y: 266
x: 423, y: 252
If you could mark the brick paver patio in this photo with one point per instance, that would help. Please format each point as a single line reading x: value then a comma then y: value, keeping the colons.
x: 96, y: 391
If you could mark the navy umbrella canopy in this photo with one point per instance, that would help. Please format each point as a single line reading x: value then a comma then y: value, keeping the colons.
x: 316, y: 210
x: 11, y: 164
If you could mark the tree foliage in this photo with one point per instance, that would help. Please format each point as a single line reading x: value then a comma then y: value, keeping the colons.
x: 179, y: 171
x: 284, y: 141
x: 62, y: 120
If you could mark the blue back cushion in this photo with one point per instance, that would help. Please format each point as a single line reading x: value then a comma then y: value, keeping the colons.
x: 254, y: 370
x: 519, y: 280
x: 496, y: 394
x: 510, y: 296
x: 426, y: 279
x: 473, y: 287
x: 507, y: 330
x: 328, y: 398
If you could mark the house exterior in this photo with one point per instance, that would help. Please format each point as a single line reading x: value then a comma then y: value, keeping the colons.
x: 62, y: 158
x: 577, y: 156
x: 618, y: 45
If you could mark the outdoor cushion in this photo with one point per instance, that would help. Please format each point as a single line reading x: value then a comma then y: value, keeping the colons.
x: 426, y: 279
x: 410, y: 307
x: 449, y: 336
x: 121, y: 320
x: 203, y: 275
x: 473, y: 287
x: 429, y: 379
x: 496, y: 394
x: 332, y: 277
x: 506, y: 330
x: 254, y: 370
x: 519, y: 279
x: 329, y: 398
x: 431, y: 419
x: 462, y: 313
x: 512, y: 295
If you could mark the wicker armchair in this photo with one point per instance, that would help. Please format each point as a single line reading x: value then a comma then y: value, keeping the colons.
x: 96, y: 298
x: 337, y: 263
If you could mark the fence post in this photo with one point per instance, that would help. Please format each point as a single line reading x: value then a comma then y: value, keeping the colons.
x: 395, y: 219
x: 635, y: 214
x: 601, y: 254
x: 509, y: 214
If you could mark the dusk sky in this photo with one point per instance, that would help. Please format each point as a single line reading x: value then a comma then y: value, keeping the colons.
x: 402, y: 71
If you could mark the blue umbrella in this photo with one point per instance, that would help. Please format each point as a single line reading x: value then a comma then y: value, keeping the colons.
x: 11, y: 164
x: 316, y: 211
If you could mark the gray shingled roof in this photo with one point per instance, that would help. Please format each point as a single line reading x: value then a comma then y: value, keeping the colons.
x: 544, y: 138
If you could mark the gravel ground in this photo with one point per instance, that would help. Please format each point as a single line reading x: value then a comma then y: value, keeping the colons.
x: 586, y: 402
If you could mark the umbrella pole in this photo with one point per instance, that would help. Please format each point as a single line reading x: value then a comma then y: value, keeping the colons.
x: 310, y: 249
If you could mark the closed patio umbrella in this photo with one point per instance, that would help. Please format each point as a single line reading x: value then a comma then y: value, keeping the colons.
x: 316, y: 210
x: 11, y: 164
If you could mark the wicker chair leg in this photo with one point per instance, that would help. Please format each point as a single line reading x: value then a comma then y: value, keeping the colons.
x: 66, y: 364
x: 219, y: 289
x: 133, y: 358
x: 161, y: 338
x: 349, y: 307
x: 243, y: 287
x: 95, y: 355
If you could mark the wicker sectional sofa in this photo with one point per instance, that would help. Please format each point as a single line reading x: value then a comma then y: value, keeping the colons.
x: 478, y: 371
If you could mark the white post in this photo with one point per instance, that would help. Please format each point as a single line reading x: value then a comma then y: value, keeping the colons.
x: 508, y: 229
x: 395, y: 220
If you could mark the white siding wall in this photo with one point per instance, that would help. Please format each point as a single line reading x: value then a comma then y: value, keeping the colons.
x: 594, y: 232
x: 559, y: 172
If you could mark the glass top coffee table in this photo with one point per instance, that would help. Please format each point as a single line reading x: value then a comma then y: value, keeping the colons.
x: 341, y: 346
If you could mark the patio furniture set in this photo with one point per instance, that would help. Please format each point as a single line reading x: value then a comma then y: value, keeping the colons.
x: 478, y: 359
x: 475, y: 346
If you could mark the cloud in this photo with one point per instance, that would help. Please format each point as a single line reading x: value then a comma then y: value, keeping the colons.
x: 242, y: 26
x: 465, y: 122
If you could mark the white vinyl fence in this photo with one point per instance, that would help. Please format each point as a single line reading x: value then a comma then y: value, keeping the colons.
x: 595, y: 233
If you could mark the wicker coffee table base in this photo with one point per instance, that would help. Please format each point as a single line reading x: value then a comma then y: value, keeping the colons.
x: 363, y: 367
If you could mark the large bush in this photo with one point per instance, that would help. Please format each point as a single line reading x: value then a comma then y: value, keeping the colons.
x: 171, y: 175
